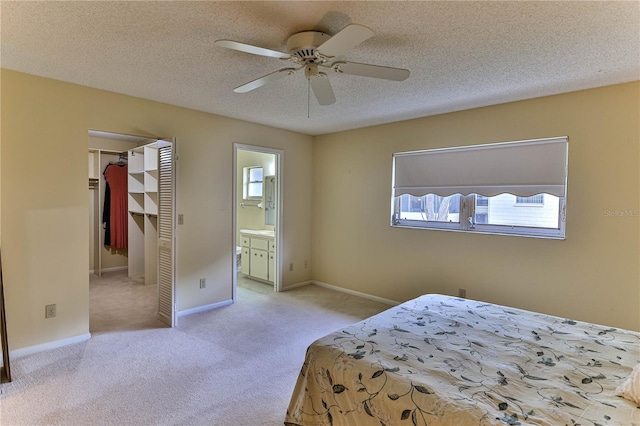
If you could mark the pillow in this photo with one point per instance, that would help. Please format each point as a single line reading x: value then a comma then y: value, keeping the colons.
x: 630, y: 389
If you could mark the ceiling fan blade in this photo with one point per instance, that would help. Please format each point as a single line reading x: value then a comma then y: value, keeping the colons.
x: 248, y: 48
x: 322, y: 89
x: 373, y: 71
x: 350, y: 36
x: 259, y: 82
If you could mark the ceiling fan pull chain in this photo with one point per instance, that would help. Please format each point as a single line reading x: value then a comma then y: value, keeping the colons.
x: 308, y: 97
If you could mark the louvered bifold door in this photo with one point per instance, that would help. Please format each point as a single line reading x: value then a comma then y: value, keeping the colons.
x: 166, y: 232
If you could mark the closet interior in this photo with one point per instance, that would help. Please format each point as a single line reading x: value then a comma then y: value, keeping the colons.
x: 138, y: 158
x: 102, y: 257
x: 132, y: 212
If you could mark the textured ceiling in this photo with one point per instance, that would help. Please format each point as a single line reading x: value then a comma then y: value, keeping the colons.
x: 461, y: 54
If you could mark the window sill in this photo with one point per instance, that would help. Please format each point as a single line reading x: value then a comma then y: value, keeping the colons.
x: 550, y: 234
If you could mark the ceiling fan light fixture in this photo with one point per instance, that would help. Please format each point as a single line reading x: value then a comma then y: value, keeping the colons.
x: 310, y: 70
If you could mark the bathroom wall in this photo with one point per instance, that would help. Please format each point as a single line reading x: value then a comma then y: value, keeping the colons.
x: 251, y: 217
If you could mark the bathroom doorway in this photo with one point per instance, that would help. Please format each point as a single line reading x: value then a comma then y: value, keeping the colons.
x: 257, y: 200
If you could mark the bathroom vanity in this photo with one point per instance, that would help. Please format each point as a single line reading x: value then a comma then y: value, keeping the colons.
x: 258, y: 254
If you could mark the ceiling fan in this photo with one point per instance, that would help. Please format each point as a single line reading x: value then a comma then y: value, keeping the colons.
x: 314, y: 52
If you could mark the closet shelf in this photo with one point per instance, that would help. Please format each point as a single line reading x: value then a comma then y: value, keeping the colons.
x: 143, y: 219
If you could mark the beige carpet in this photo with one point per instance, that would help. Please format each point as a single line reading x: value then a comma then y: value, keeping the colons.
x: 235, y: 365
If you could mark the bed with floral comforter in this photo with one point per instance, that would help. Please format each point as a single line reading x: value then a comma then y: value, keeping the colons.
x: 438, y: 360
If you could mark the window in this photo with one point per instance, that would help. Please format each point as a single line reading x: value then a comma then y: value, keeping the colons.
x: 512, y: 188
x: 252, y: 183
x: 534, y: 199
x: 430, y: 207
x: 538, y: 211
x: 481, y: 209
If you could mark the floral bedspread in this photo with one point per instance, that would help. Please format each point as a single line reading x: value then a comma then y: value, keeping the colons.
x: 438, y: 360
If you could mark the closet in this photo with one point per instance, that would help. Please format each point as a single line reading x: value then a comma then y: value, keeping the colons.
x: 101, y: 257
x: 150, y: 213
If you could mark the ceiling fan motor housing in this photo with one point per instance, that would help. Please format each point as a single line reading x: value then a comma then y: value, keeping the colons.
x: 302, y: 46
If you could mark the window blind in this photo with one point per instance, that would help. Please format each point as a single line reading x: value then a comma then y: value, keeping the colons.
x: 522, y: 168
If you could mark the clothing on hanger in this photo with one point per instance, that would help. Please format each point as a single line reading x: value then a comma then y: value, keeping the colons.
x: 117, y: 223
x: 106, y: 214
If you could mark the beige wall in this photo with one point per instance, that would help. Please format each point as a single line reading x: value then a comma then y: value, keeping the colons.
x: 593, y: 275
x: 45, y: 211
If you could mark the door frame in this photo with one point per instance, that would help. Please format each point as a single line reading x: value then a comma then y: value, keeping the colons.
x: 279, y: 173
x: 151, y: 139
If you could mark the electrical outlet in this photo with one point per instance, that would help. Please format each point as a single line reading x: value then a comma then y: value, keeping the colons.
x: 290, y: 267
x: 203, y: 282
x: 49, y: 311
x: 462, y: 293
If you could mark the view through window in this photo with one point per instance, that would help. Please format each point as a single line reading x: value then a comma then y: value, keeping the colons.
x: 252, y: 189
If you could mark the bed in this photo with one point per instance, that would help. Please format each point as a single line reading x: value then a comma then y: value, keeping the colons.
x: 439, y: 360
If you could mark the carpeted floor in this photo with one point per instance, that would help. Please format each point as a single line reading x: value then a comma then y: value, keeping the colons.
x: 235, y: 365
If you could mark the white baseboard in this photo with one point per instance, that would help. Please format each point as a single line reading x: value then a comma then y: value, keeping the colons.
x: 30, y: 350
x: 205, y: 308
x: 115, y: 268
x: 357, y: 293
x: 112, y: 269
x: 296, y: 285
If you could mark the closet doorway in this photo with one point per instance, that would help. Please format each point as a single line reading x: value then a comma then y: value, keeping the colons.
x: 257, y: 218
x: 132, y: 238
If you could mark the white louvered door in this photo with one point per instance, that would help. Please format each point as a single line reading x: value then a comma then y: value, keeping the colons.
x: 166, y: 233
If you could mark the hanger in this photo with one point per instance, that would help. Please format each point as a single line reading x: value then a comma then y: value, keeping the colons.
x: 122, y: 161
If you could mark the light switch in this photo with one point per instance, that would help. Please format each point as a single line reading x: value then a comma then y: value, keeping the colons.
x: 180, y: 219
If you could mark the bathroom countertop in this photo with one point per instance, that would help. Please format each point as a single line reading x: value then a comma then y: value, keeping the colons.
x: 258, y: 232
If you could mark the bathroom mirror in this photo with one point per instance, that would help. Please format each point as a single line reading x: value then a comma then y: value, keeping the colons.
x: 270, y: 200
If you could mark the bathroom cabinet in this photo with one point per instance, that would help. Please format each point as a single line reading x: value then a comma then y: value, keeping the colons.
x: 258, y: 254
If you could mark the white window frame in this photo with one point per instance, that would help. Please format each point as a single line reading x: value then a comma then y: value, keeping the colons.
x: 247, y: 182
x: 523, y: 231
x: 466, y: 224
x: 467, y: 214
